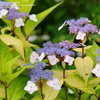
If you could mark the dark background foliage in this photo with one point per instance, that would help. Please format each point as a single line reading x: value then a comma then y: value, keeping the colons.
x: 69, y: 9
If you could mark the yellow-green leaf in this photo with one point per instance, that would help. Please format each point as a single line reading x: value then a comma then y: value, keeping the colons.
x: 50, y: 93
x: 75, y: 81
x: 15, y: 42
x: 84, y: 66
x: 94, y: 82
x: 80, y: 49
x: 16, y: 88
x: 2, y: 92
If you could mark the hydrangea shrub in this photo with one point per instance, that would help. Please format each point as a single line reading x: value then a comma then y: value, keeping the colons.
x: 67, y: 70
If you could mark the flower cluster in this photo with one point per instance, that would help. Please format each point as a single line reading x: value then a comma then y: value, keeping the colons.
x: 69, y: 45
x: 11, y: 11
x: 55, y: 52
x: 80, y: 27
x: 40, y: 73
x: 50, y: 48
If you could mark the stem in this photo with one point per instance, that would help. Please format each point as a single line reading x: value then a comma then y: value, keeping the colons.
x: 64, y: 83
x: 65, y: 90
x: 98, y: 97
x: 6, y: 97
x: 82, y: 52
x: 41, y: 89
x: 79, y: 95
x: 5, y: 88
x: 13, y: 27
x: 64, y: 74
x: 64, y: 70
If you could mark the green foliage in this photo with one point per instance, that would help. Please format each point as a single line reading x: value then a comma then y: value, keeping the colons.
x: 74, y: 80
x: 8, y: 60
x: 50, y: 93
x: 84, y: 67
x: 2, y: 92
x: 93, y: 98
x: 92, y: 52
x: 30, y: 25
x: 16, y: 89
x: 63, y: 95
x: 85, y: 96
x: 5, y: 57
x: 12, y: 41
x: 98, y: 90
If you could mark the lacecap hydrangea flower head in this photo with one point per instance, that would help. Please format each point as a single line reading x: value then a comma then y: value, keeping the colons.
x: 81, y: 27
x: 55, y: 52
x: 12, y: 12
x: 38, y: 73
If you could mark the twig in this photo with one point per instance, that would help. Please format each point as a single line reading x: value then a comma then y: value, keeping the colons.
x: 41, y: 89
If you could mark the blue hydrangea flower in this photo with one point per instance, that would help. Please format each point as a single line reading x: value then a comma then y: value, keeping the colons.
x: 78, y: 22
x: 40, y: 65
x: 63, y: 52
x: 39, y: 72
x: 50, y: 44
x: 69, y: 45
x: 70, y: 22
x: 74, y: 29
x: 89, y: 28
x: 47, y: 51
x: 59, y: 49
x: 82, y: 21
x: 80, y: 25
x: 14, y: 14
x: 98, y: 59
x: 56, y: 51
x: 4, y: 5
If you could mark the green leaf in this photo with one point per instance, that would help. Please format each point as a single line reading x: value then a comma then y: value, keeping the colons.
x: 98, y: 89
x: 75, y: 81
x: 15, y: 42
x: 80, y: 49
x: 94, y: 82
x: 37, y: 96
x: 19, y: 33
x: 63, y: 94
x: 9, y: 77
x: 84, y: 66
x: 93, y: 97
x: 16, y: 88
x: 30, y: 25
x: 7, y: 59
x: 2, y: 92
x: 17, y: 73
x: 25, y: 5
x: 28, y: 52
x: 50, y: 93
x: 85, y: 96
x: 91, y: 52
